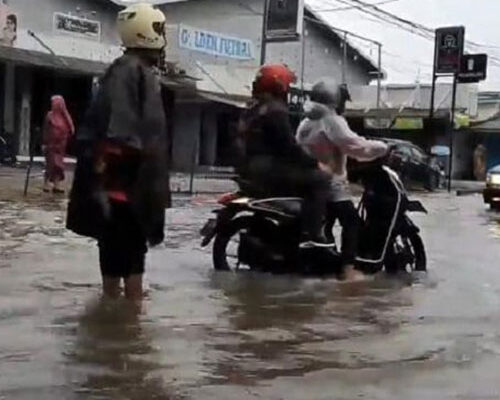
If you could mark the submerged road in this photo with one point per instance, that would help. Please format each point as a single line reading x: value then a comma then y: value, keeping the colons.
x: 206, y: 335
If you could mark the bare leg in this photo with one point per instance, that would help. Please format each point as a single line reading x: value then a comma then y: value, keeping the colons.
x: 46, y: 186
x: 111, y: 287
x: 133, y: 287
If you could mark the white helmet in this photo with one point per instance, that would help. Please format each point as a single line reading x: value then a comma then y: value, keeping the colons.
x: 141, y: 26
x: 330, y: 93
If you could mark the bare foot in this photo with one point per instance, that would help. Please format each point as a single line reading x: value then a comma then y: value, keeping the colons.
x: 46, y: 187
x: 351, y: 274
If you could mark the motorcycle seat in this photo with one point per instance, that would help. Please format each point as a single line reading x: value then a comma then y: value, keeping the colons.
x: 291, y: 206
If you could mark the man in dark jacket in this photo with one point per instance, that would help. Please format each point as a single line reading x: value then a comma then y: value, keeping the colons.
x: 272, y: 158
x: 120, y: 189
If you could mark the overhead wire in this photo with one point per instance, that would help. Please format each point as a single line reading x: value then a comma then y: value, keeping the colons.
x: 408, y: 25
x: 325, y: 10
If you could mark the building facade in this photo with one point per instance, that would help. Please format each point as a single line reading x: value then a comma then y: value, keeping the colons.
x: 485, y: 129
x: 404, y: 113
x: 54, y: 48
x: 218, y: 42
x: 61, y: 47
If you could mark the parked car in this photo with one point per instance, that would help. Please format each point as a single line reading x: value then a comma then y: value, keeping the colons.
x: 413, y: 164
x: 491, y: 193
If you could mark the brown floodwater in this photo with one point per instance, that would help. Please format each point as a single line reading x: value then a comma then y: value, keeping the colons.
x: 207, y: 335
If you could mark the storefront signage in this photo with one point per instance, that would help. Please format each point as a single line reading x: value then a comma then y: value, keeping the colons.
x: 215, y: 44
x: 284, y: 19
x: 73, y: 25
x: 474, y: 68
x: 449, y: 49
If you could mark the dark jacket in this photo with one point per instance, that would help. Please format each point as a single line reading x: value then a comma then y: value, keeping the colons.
x: 127, y: 109
x: 265, y: 131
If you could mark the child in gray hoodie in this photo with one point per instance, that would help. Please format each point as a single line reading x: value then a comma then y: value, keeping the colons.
x: 325, y: 135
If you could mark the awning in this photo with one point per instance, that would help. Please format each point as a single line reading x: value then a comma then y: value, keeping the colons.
x: 45, y: 60
x: 234, y: 101
x: 225, y: 81
x: 392, y: 113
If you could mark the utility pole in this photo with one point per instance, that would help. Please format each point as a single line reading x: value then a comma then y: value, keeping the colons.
x: 433, y: 89
x: 344, y: 60
x: 379, y: 75
x: 264, y: 33
x: 452, y: 128
x: 303, y: 66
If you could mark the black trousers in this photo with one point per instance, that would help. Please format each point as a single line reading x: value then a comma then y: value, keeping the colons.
x: 349, y: 219
x: 285, y: 179
x: 122, y: 246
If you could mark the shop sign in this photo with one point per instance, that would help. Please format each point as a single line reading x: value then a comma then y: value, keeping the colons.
x: 77, y: 26
x: 215, y: 44
x: 284, y: 20
x: 474, y: 68
x: 449, y: 49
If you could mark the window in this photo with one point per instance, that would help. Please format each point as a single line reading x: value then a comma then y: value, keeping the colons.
x: 418, y: 154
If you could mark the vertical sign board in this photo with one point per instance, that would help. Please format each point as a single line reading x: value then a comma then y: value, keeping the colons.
x: 285, y: 19
x: 448, y: 58
x: 449, y: 49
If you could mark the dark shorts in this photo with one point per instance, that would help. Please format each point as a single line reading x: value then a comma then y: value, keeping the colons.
x: 122, y: 247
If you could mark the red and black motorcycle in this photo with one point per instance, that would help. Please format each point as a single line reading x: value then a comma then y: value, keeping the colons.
x: 262, y: 234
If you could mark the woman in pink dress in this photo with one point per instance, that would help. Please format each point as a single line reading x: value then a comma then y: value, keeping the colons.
x: 58, y: 128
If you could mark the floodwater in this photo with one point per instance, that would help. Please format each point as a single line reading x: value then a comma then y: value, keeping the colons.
x: 206, y: 335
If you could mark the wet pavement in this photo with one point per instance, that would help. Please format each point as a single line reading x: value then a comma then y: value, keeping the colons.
x: 206, y: 335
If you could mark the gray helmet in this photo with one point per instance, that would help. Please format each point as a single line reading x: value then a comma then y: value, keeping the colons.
x: 330, y: 93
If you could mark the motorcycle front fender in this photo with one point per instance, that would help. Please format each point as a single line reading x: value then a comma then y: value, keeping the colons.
x: 408, y: 227
x: 216, y: 225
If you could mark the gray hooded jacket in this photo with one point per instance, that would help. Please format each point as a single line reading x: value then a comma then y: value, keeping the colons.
x: 326, y: 136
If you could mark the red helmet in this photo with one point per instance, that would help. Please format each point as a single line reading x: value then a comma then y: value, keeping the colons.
x: 274, y: 79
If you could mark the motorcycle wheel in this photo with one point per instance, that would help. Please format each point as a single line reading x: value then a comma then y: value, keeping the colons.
x: 220, y: 254
x: 412, y: 243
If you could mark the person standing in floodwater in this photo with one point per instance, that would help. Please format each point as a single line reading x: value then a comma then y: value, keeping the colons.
x: 57, y: 130
x: 120, y: 190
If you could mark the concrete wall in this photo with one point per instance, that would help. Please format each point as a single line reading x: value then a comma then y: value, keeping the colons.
x: 322, y: 58
x: 186, y: 135
x: 244, y: 20
x: 38, y: 16
x: 25, y: 79
x: 208, y: 139
x: 9, y: 123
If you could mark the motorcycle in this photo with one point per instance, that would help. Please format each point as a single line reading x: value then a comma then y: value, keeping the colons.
x: 263, y: 233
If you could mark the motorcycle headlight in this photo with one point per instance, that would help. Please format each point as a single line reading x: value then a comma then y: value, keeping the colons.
x: 493, y: 179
